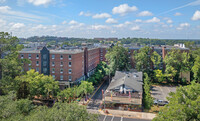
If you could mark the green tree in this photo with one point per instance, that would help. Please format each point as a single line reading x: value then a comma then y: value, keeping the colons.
x: 159, y: 76
x: 68, y: 95
x: 10, y: 65
x: 183, y: 105
x: 85, y: 88
x: 155, y: 59
x: 38, y: 84
x: 147, y: 99
x: 118, y: 58
x: 176, y: 63
x: 196, y: 69
x: 142, y: 59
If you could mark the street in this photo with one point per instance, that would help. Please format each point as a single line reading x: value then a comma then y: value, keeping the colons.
x: 96, y: 99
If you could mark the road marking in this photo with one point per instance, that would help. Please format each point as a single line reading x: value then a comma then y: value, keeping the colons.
x: 121, y: 118
x: 112, y: 118
x: 105, y: 118
x: 95, y: 92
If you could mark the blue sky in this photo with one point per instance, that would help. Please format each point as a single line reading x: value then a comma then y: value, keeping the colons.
x: 169, y: 19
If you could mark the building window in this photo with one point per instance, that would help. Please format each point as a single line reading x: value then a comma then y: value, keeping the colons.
x: 44, y: 70
x: 70, y: 57
x: 37, y: 56
x: 70, y: 71
x: 53, y: 63
x: 22, y: 56
x: 61, y: 63
x: 61, y: 70
x: 70, y: 77
x: 54, y: 76
x: 53, y: 70
x: 29, y: 64
x: 61, y: 57
x: 37, y: 69
x: 29, y: 56
x: 70, y: 64
x: 53, y: 56
x: 45, y: 56
x: 37, y: 63
x: 44, y: 63
x: 61, y: 77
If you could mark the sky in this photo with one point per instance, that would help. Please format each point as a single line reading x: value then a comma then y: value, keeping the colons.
x: 161, y: 19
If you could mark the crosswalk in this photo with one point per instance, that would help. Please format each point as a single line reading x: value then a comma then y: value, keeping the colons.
x: 114, y: 118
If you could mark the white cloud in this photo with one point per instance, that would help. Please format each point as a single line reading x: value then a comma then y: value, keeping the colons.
x: 2, y: 22
x: 182, y: 25
x: 39, y: 27
x: 196, y: 16
x: 127, y: 22
x: 119, y: 25
x: 138, y: 20
x: 124, y: 9
x: 64, y: 22
x: 102, y: 15
x: 7, y: 11
x: 98, y: 27
x: 72, y: 22
x: 85, y: 14
x: 17, y: 25
x: 145, y: 13
x: 2, y: 1
x: 111, y: 21
x: 169, y: 21
x: 153, y: 20
x: 135, y: 28
x: 39, y: 2
x: 177, y: 14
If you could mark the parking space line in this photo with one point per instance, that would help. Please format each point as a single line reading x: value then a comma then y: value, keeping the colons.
x: 112, y: 118
x: 121, y: 118
x: 105, y: 118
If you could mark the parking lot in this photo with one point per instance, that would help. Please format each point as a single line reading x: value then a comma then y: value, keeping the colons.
x: 161, y: 92
x: 114, y: 118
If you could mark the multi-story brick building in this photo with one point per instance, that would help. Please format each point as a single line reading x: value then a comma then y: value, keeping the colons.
x: 67, y: 66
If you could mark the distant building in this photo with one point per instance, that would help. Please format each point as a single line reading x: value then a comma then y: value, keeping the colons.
x: 106, y: 39
x: 125, y: 91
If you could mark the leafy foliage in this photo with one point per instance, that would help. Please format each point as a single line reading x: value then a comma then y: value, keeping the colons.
x: 38, y: 84
x: 147, y: 99
x: 183, y: 105
x: 23, y: 110
x: 118, y: 58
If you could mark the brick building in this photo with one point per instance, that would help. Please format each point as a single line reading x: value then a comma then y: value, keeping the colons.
x: 67, y: 66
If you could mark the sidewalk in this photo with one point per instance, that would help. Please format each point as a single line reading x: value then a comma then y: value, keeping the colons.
x: 129, y: 114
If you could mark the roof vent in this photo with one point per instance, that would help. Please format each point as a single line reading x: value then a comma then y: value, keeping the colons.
x: 135, y: 75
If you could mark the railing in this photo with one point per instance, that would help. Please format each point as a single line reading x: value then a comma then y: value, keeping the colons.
x: 118, y: 94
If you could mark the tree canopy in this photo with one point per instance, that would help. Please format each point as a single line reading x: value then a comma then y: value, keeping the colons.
x: 118, y: 58
x: 183, y: 105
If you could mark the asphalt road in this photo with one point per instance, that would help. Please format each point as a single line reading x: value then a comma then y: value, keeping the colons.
x: 96, y: 99
x: 161, y: 92
x: 114, y: 118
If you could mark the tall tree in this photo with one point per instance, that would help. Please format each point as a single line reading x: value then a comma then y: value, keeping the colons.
x: 142, y: 59
x: 156, y: 60
x: 176, y: 63
x: 38, y: 84
x: 85, y: 88
x: 118, y: 58
x: 11, y: 66
x: 183, y: 105
x: 196, y: 69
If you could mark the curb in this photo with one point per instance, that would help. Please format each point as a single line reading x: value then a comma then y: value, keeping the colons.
x: 95, y: 92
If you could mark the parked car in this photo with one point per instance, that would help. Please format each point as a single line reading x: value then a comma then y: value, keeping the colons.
x: 160, y: 102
